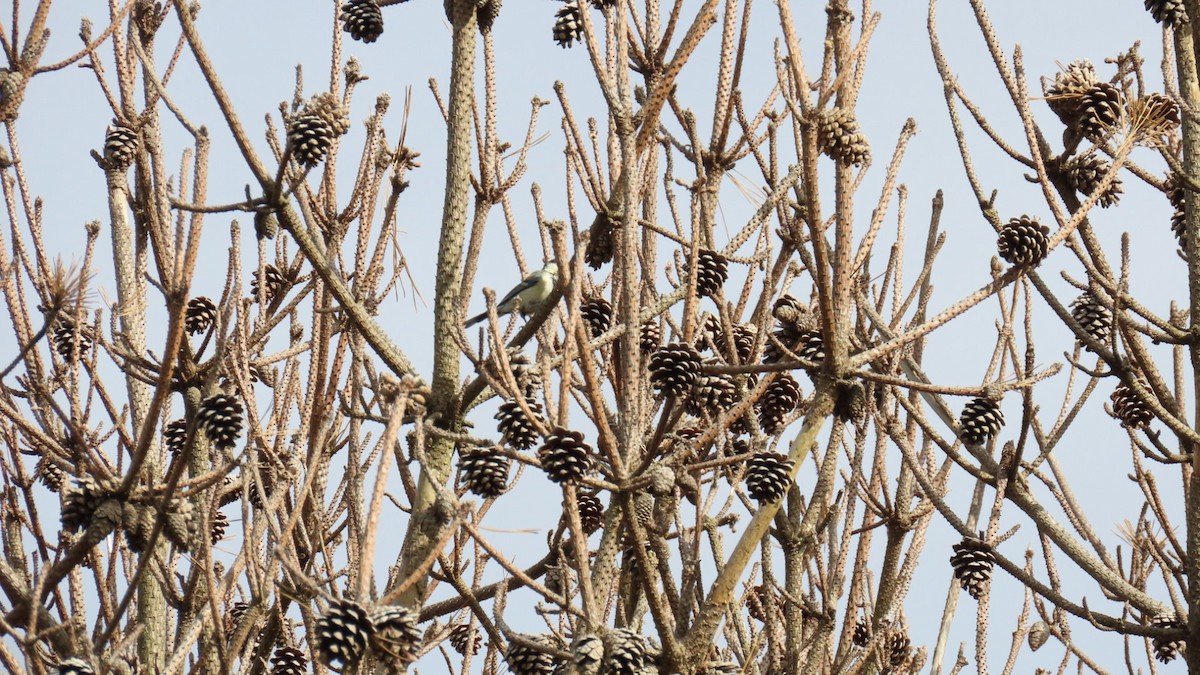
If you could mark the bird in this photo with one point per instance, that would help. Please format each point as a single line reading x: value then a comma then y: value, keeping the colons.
x: 531, y: 292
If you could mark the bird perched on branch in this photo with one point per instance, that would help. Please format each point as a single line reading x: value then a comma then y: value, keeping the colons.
x: 529, y: 294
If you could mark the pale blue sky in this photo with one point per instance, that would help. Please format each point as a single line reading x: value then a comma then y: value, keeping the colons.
x: 256, y: 45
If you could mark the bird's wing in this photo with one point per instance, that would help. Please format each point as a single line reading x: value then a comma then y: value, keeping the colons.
x: 528, y: 282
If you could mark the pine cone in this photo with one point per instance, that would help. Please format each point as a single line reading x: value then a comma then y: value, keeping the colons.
x: 597, y: 313
x: 554, y: 579
x: 743, y: 339
x: 972, y: 562
x: 120, y: 146
x: 277, y: 281
x: 744, y: 336
x: 10, y: 83
x: 896, y: 648
x: 484, y: 471
x: 180, y: 525
x: 788, y: 310
x: 1065, y: 94
x: 487, y: 13
x: 591, y: 510
x: 253, y: 374
x: 710, y: 326
x: 565, y: 457
x: 839, y: 137
x: 524, y: 660
x: 464, y: 640
x: 1154, y: 115
x: 229, y: 492
x: 397, y: 637
x: 311, y: 137
x: 625, y: 652
x: 331, y: 109
x: 136, y: 519
x: 807, y: 344
x: 312, y: 131
x: 780, y: 399
x: 757, y: 601
x: 1176, y: 195
x: 567, y: 24
x: 267, y: 472
x: 743, y: 342
x: 220, y: 416
x: 237, y: 612
x: 525, y: 372
x: 784, y: 337
x: 1085, y: 172
x: 737, y: 447
x: 342, y: 634
x: 75, y: 666
x: 650, y: 337
x: 1024, y: 242
x: 643, y: 508
x: 851, y: 403
x: 266, y: 224
x: 70, y: 341
x: 175, y: 436
x: 674, y: 369
x: 1166, y: 649
x: 662, y: 480
x: 1168, y: 12
x: 220, y: 523
x: 587, y: 653
x: 711, y: 395
x: 980, y: 420
x: 49, y: 473
x: 811, y: 346
x: 767, y: 477
x: 711, y: 273
x: 1127, y: 407
x: 288, y: 661
x: 104, y: 520
x: 862, y: 633
x: 12, y: 91
x: 636, y: 571
x: 1100, y: 109
x: 148, y: 17
x: 1039, y: 633
x: 1092, y: 316
x: 603, y: 243
x: 200, y: 314
x: 80, y: 503
x: 515, y: 427
x: 362, y: 19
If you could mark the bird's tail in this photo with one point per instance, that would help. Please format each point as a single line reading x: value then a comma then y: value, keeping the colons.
x: 474, y: 320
